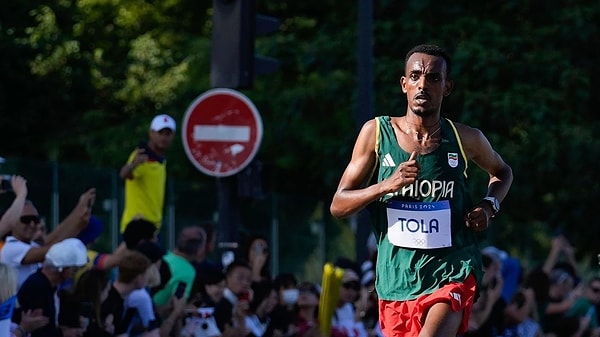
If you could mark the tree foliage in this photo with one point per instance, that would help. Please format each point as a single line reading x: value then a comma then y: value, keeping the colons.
x: 81, y: 78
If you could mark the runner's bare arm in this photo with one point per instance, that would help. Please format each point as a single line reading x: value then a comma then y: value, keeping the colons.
x: 479, y: 149
x: 352, y: 195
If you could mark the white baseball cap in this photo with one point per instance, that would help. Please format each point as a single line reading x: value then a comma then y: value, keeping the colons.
x: 67, y: 253
x: 162, y: 122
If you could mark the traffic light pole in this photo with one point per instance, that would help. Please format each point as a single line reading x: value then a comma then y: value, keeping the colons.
x: 233, y: 66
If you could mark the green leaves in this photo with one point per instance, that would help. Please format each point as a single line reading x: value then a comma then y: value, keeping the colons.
x: 81, y: 79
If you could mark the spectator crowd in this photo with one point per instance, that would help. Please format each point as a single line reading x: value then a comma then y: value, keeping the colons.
x: 54, y: 283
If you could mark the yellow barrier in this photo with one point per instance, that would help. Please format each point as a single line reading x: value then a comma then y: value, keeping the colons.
x: 330, y: 292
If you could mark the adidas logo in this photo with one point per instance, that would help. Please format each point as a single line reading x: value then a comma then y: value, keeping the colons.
x: 388, y: 161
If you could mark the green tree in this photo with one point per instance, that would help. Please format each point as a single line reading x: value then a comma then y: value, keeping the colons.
x: 81, y: 78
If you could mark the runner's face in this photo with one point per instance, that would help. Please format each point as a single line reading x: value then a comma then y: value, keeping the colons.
x: 425, y: 83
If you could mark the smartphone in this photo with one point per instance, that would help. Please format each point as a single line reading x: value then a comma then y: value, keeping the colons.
x: 180, y: 289
x: 5, y: 184
x: 260, y: 249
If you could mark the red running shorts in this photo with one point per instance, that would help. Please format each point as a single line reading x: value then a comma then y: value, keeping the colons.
x: 406, y: 318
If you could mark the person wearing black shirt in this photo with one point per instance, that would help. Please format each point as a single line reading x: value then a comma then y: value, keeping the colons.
x: 39, y: 291
x: 132, y: 276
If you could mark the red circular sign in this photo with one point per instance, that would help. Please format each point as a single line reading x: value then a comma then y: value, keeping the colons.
x: 221, y: 132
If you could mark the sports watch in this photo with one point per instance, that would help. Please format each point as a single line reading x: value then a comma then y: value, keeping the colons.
x: 494, y: 203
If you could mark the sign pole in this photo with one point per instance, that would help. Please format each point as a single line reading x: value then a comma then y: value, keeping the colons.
x: 228, y: 208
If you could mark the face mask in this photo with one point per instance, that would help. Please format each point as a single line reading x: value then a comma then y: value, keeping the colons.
x: 290, y: 296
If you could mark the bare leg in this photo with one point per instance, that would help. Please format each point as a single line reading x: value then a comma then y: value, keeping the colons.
x: 441, y: 321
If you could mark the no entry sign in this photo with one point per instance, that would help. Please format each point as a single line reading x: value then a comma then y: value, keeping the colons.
x: 221, y: 132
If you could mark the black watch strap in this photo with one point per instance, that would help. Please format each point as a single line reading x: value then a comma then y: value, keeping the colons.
x: 494, y: 203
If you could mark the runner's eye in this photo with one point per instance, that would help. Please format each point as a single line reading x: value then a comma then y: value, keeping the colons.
x: 435, y: 77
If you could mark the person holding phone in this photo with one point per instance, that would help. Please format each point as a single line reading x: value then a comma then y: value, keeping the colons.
x: 25, y: 255
x: 18, y: 186
x: 177, y: 265
x: 255, y: 250
x: 145, y: 174
x: 231, y: 311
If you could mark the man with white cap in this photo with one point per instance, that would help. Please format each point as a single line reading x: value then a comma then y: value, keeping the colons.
x: 39, y: 291
x: 145, y: 174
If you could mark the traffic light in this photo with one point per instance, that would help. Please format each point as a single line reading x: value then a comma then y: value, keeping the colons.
x: 235, y: 25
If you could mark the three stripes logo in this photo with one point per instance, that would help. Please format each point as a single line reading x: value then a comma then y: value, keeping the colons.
x: 388, y: 161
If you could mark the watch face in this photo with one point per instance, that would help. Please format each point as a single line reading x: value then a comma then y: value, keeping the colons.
x: 494, y: 202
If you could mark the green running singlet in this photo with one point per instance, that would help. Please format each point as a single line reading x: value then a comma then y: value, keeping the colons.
x: 407, y: 273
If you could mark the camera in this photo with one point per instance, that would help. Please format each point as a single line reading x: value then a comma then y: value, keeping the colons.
x: 5, y: 184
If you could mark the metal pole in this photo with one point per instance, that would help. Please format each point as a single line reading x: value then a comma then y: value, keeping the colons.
x: 229, y: 213
x: 171, y: 215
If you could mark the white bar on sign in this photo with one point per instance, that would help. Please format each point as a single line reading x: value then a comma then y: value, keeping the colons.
x: 221, y: 133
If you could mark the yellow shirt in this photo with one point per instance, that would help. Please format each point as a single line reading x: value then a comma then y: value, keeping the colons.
x: 145, y: 192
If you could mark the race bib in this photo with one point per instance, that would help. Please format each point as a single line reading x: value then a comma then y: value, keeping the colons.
x: 424, y: 225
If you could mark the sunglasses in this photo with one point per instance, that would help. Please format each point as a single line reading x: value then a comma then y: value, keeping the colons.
x: 354, y: 285
x: 596, y: 290
x: 27, y: 219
